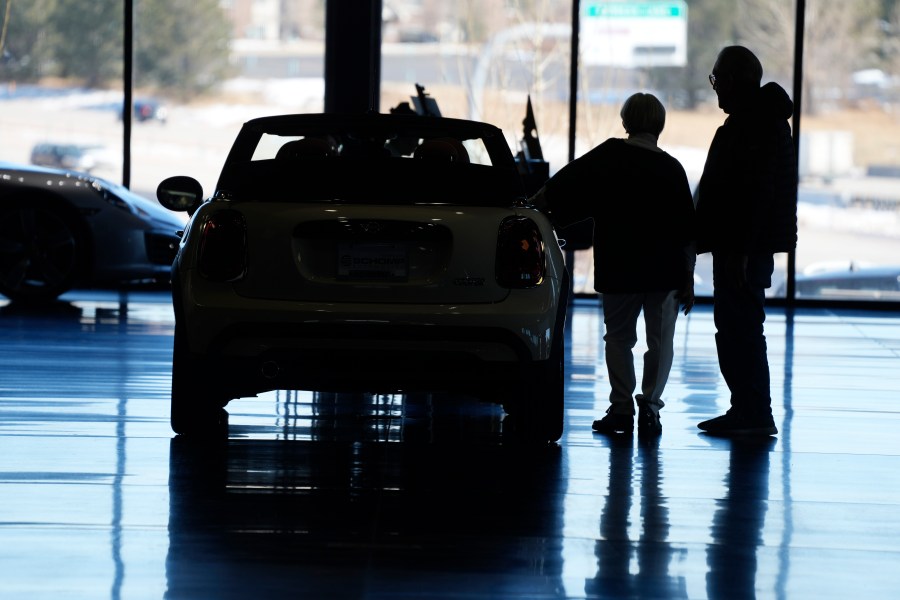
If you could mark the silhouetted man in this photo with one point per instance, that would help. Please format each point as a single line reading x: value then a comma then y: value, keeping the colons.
x: 746, y: 212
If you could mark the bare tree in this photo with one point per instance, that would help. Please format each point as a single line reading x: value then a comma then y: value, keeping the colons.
x: 514, y: 50
x: 841, y: 37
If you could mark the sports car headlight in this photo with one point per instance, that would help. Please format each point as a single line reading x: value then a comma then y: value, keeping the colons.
x: 223, y: 246
x: 521, y: 260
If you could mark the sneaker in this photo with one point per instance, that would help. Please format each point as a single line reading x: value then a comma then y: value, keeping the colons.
x: 614, y: 423
x: 648, y: 421
x: 734, y: 423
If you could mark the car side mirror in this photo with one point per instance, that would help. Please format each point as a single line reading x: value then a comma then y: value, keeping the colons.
x: 180, y: 193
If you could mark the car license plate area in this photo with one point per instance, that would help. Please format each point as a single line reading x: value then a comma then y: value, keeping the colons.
x: 373, y: 261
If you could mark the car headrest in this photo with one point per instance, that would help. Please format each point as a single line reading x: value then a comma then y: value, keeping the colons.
x: 305, y: 148
x: 442, y: 149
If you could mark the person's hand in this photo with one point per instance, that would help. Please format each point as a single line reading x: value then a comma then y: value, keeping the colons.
x: 685, y: 294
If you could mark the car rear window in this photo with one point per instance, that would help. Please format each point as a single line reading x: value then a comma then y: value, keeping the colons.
x: 359, y: 179
x: 472, y: 151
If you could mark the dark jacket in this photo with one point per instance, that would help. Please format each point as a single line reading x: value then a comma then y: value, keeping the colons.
x: 747, y: 197
x: 643, y: 214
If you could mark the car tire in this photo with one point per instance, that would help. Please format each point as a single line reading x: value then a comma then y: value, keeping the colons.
x: 537, y: 406
x: 43, y: 250
x: 540, y: 412
x: 195, y: 409
x: 553, y: 405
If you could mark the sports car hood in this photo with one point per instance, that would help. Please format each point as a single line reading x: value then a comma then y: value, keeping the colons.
x: 149, y: 209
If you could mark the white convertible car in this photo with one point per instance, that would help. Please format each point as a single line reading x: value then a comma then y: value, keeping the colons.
x: 379, y: 253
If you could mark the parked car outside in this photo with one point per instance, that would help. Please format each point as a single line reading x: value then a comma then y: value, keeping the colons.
x: 380, y: 253
x: 76, y: 157
x: 849, y: 281
x: 60, y: 229
x: 148, y: 109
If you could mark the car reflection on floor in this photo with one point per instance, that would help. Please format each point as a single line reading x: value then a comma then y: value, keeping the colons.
x: 343, y: 520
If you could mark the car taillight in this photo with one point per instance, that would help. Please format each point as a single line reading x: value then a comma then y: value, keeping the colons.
x: 520, y: 253
x: 223, y: 246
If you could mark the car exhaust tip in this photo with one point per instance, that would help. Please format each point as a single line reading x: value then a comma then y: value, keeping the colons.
x: 270, y: 369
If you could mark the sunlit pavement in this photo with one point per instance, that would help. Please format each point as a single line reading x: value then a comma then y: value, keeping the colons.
x: 422, y: 496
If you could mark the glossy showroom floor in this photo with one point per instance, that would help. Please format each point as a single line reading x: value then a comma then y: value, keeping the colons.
x: 382, y: 497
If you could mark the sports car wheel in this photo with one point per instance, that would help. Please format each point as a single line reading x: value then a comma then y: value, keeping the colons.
x: 195, y: 409
x: 43, y: 251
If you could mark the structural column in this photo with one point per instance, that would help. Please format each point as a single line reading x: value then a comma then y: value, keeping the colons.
x: 352, y: 55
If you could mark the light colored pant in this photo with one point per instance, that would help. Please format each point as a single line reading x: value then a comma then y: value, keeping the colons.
x: 620, y: 315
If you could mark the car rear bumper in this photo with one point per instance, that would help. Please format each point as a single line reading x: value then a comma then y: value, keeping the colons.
x: 262, y: 345
x: 365, y: 358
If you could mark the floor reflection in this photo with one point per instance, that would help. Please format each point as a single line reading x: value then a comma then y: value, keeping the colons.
x: 427, y: 496
x: 736, y: 532
x: 651, y: 553
x: 369, y: 417
x: 349, y: 514
x: 56, y: 308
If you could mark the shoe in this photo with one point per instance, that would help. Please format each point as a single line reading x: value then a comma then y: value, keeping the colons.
x: 614, y: 423
x: 648, y: 421
x: 734, y: 423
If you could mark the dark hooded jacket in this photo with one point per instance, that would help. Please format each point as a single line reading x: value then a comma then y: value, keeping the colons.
x: 747, y: 197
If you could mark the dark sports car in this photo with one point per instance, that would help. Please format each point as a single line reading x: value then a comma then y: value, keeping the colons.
x: 391, y: 252
x: 60, y: 229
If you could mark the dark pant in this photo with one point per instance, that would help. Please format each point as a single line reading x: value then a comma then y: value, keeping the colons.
x: 739, y: 314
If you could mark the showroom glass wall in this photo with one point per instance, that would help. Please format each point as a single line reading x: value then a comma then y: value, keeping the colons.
x: 201, y: 69
x: 486, y: 59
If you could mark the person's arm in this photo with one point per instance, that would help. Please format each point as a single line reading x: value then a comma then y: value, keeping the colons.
x: 562, y: 197
x: 571, y: 195
x: 686, y: 220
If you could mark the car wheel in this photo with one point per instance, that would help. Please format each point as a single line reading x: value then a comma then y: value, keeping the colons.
x: 537, y: 409
x: 540, y: 414
x: 43, y: 251
x: 195, y: 409
x: 553, y: 406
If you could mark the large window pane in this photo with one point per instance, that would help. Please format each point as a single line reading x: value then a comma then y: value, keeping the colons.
x: 849, y: 210
x: 659, y: 64
x: 482, y: 60
x: 213, y: 65
x: 61, y: 84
